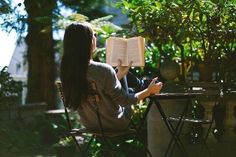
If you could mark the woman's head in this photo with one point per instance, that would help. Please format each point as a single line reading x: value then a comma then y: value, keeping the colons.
x: 79, y: 43
x: 79, y: 37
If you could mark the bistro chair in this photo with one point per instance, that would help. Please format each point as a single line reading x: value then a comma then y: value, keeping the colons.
x: 214, y: 91
x: 109, y: 140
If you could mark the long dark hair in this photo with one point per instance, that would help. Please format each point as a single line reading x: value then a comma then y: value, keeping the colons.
x: 77, y: 53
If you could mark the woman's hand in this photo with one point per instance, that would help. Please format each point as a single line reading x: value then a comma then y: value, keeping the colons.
x: 122, y: 70
x: 154, y: 88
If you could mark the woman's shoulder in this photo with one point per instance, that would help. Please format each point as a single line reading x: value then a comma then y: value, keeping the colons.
x: 100, y: 71
x: 100, y: 65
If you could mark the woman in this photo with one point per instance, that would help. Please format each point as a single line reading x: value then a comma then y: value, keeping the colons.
x: 78, y: 69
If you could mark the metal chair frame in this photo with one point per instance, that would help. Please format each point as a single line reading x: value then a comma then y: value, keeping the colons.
x: 100, y: 134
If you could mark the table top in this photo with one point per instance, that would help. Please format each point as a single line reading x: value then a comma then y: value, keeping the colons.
x: 175, y: 95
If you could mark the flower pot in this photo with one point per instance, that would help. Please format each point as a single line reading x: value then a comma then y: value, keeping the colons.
x: 205, y: 72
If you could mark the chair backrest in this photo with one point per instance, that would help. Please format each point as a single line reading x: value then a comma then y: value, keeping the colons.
x: 59, y: 87
x: 93, y: 96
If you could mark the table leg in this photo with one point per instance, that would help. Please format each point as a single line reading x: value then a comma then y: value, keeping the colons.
x: 173, y: 131
x: 180, y: 124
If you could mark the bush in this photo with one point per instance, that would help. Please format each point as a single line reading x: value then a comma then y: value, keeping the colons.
x: 10, y: 90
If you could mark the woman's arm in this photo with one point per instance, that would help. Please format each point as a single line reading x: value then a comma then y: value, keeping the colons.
x: 114, y: 90
x: 153, y: 87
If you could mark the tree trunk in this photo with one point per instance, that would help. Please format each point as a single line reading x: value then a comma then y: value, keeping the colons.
x: 40, y: 53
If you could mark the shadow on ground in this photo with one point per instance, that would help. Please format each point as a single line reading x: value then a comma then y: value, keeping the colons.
x: 226, y: 147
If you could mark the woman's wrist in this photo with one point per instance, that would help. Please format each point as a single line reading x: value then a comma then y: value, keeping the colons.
x: 119, y: 75
x: 147, y: 92
x: 143, y: 94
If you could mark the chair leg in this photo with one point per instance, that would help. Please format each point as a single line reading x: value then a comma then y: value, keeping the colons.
x: 78, y: 147
x: 84, y: 152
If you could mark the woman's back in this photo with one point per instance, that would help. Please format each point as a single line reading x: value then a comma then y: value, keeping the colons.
x: 115, y: 103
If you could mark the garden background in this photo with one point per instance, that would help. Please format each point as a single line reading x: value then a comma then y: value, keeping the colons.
x: 187, y: 42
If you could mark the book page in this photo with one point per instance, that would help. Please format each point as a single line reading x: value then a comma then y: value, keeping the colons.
x: 135, y: 51
x: 115, y: 50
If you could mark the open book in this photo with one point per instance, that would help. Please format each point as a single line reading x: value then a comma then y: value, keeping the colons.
x: 127, y: 50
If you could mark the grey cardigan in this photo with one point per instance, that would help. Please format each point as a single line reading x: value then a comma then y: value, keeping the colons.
x: 115, y: 104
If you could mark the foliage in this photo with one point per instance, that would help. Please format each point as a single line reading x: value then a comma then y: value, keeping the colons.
x: 66, y: 141
x: 92, y: 8
x: 12, y: 17
x: 34, y: 135
x: 10, y: 90
x: 18, y: 135
x: 199, y: 30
